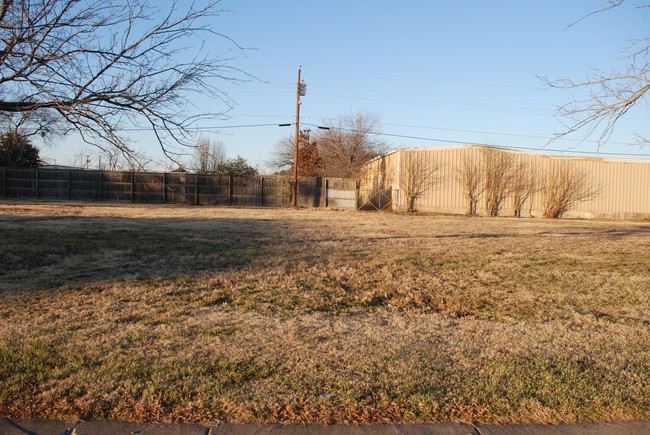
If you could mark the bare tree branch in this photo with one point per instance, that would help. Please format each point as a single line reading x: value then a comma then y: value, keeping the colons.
x: 209, y: 156
x: 470, y: 177
x: 283, y: 154
x: 610, y: 97
x: 417, y: 176
x: 497, y: 175
x: 349, y: 143
x: 562, y: 187
x: 524, y: 184
x: 606, y: 97
x: 601, y: 8
x: 98, y: 67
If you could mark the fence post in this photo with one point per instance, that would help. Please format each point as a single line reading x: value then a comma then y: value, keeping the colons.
x: 230, y: 189
x: 101, y: 185
x: 297, y: 192
x: 327, y: 189
x: 164, y: 188
x: 357, y: 188
x: 35, y: 183
x: 290, y: 192
x: 262, y: 190
x: 132, y: 186
x: 196, y: 189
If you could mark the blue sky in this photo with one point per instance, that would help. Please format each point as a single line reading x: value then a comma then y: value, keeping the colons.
x: 460, y: 71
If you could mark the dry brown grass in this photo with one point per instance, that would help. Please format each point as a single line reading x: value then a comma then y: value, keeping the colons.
x: 247, y: 315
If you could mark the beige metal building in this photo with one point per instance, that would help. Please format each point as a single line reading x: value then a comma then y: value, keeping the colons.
x: 620, y: 188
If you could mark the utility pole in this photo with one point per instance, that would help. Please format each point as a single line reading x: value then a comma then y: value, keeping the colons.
x: 301, y: 89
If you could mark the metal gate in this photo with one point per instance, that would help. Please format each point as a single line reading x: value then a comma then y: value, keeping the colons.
x: 376, y: 199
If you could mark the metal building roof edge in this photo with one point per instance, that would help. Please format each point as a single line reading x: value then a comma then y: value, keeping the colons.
x: 516, y: 151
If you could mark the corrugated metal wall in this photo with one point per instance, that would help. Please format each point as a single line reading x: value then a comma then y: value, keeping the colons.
x: 623, y: 185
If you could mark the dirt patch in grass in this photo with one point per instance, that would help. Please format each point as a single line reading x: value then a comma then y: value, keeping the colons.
x: 252, y: 315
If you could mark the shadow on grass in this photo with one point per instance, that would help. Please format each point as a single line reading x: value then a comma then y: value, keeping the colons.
x: 266, y: 320
x: 45, y: 252
x: 305, y: 265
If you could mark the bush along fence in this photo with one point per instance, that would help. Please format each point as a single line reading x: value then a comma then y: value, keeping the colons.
x: 175, y: 188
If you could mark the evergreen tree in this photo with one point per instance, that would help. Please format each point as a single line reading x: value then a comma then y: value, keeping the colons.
x: 236, y: 167
x: 16, y: 150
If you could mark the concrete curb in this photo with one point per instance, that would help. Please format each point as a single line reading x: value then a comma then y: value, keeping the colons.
x: 113, y: 427
x: 628, y: 428
x: 388, y: 429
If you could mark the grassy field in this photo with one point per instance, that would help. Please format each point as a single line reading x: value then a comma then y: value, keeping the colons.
x: 246, y: 315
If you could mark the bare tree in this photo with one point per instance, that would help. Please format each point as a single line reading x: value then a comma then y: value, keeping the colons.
x: 497, y: 178
x: 81, y: 158
x: 417, y: 176
x: 562, y: 187
x: 524, y: 184
x: 310, y: 163
x: 137, y: 162
x: 97, y: 67
x: 283, y: 154
x: 470, y: 176
x: 606, y: 96
x: 111, y: 159
x: 208, y: 156
x: 349, y: 143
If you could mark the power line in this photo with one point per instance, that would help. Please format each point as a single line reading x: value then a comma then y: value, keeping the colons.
x: 220, y: 127
x: 430, y: 139
x: 548, y: 139
x: 456, y: 142
x: 502, y: 134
